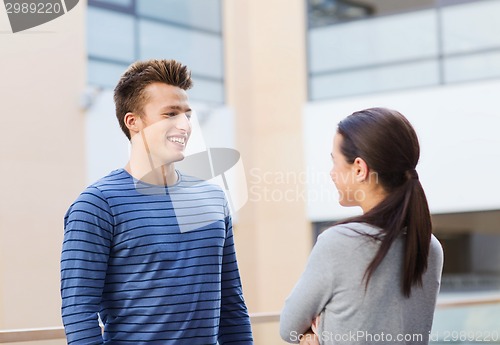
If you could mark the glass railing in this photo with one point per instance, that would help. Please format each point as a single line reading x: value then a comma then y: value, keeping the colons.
x: 467, y: 318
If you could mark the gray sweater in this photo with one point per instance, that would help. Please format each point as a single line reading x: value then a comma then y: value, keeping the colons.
x: 332, y: 286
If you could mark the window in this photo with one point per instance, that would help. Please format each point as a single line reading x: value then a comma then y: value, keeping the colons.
x: 452, y: 41
x: 122, y: 31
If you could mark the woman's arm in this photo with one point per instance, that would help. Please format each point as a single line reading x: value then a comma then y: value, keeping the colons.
x: 311, y: 293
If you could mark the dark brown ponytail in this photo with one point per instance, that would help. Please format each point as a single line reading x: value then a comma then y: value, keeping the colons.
x: 387, y: 142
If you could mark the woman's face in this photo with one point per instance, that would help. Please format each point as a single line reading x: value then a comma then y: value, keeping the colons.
x: 343, y: 175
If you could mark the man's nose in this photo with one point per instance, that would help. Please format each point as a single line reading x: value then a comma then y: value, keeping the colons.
x: 183, y: 122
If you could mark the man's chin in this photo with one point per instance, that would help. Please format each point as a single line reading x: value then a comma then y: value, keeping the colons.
x: 178, y: 158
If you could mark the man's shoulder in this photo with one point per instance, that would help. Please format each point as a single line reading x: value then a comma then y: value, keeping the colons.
x: 92, y: 201
x: 115, y: 177
x: 97, y: 190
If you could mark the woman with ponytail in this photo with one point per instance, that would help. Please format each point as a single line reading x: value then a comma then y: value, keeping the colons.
x: 372, y: 278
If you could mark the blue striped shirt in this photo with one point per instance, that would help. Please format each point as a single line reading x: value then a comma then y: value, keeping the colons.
x: 157, y: 265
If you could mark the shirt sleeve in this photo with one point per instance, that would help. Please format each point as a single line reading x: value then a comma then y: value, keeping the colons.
x: 234, y: 327
x: 88, y: 231
x: 311, y: 293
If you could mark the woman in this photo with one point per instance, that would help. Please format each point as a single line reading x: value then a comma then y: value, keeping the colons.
x: 372, y: 279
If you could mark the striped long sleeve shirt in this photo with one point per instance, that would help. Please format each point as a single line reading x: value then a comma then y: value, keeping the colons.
x: 156, y: 264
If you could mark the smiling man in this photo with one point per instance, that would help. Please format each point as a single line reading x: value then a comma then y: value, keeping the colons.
x: 147, y: 249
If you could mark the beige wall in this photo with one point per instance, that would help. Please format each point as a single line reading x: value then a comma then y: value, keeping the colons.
x: 42, y: 162
x: 43, y: 166
x: 266, y: 88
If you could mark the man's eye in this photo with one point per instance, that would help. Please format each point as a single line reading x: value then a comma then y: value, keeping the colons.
x: 169, y: 114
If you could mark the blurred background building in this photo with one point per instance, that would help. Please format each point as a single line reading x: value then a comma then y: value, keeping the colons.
x: 272, y: 80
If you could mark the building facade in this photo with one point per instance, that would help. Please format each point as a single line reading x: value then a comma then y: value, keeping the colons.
x: 271, y: 80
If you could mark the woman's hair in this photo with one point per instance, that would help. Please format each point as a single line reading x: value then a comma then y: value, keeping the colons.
x: 129, y: 93
x: 388, y: 144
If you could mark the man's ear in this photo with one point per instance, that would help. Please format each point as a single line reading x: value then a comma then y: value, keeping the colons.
x: 361, y: 170
x: 133, y: 123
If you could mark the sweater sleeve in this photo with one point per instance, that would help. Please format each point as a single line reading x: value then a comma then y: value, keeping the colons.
x: 234, y: 325
x: 311, y: 293
x: 88, y: 230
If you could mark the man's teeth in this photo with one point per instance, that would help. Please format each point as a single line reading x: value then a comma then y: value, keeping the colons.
x: 177, y: 140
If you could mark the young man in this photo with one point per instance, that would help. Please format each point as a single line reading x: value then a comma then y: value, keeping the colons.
x: 148, y: 249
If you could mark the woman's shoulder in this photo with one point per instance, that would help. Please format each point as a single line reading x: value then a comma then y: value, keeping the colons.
x: 342, y: 235
x: 351, y: 230
x: 435, y: 248
x: 340, y: 242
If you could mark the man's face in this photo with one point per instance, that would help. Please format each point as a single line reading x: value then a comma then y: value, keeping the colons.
x: 165, y: 123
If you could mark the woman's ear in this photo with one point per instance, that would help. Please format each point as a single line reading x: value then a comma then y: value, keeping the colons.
x: 133, y: 123
x: 361, y: 170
